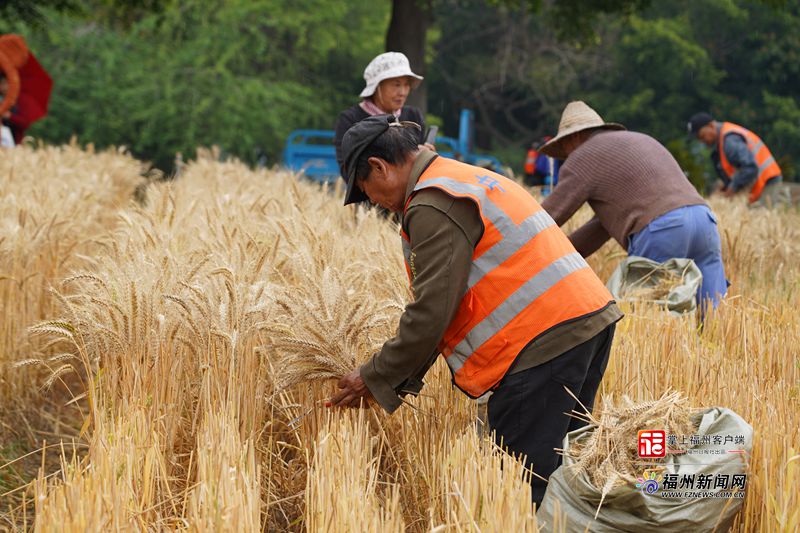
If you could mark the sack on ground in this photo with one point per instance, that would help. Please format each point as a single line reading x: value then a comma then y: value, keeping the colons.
x: 673, y: 283
x: 572, y: 500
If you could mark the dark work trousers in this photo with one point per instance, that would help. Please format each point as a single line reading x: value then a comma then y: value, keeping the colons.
x: 527, y: 409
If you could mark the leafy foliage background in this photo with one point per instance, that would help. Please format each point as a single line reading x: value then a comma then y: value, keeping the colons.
x: 235, y: 73
x: 170, y: 75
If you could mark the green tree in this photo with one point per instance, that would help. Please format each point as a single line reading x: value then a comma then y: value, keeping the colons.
x: 515, y: 70
x: 161, y: 76
x: 235, y: 73
x: 661, y: 74
x: 30, y: 11
x: 408, y: 26
x: 734, y: 58
x: 650, y: 69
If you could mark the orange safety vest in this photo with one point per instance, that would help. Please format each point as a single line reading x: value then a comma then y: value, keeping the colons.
x: 767, y: 166
x: 530, y: 161
x: 525, y: 278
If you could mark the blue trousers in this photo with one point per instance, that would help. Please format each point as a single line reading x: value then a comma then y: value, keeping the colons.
x: 687, y: 232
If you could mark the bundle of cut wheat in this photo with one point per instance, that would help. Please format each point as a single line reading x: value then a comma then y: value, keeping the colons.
x: 609, y: 453
x: 655, y: 286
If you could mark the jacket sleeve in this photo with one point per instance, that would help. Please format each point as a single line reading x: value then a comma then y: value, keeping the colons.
x: 441, y: 256
x: 590, y: 237
x: 740, y: 156
x: 718, y: 168
x: 567, y: 198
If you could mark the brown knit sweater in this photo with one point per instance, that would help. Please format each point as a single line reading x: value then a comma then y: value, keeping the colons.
x: 628, y: 178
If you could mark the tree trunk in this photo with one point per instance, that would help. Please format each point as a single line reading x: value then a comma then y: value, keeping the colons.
x: 407, y: 33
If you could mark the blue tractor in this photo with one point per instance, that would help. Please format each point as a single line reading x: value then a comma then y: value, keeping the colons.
x: 462, y: 148
x: 311, y: 152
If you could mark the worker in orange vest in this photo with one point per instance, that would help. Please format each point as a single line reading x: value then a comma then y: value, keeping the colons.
x: 530, y: 163
x: 540, y: 169
x: 499, y: 291
x: 741, y: 159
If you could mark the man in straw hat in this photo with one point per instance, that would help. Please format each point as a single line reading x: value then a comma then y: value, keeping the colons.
x: 639, y: 195
x: 498, y: 290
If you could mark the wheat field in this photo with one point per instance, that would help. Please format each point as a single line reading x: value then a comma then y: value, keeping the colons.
x: 164, y: 364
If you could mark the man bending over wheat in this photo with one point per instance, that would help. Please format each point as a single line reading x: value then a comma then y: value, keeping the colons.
x: 498, y: 289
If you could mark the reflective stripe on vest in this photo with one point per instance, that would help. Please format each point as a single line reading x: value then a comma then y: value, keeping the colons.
x: 514, y: 236
x: 513, y: 306
x: 525, y: 277
x: 767, y: 166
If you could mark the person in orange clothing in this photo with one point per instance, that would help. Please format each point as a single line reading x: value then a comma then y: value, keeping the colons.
x: 24, y: 87
x: 540, y: 169
x: 530, y: 164
x: 498, y: 289
x: 13, y: 55
x: 742, y: 160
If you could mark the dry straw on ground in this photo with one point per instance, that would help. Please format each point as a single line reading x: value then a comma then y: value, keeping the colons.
x: 182, y: 334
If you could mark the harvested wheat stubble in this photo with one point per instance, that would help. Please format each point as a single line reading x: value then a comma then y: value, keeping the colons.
x: 609, y: 454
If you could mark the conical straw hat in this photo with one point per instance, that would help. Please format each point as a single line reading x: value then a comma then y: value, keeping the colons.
x: 577, y: 116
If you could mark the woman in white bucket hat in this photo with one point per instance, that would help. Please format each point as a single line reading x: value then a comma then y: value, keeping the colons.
x: 389, y: 80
